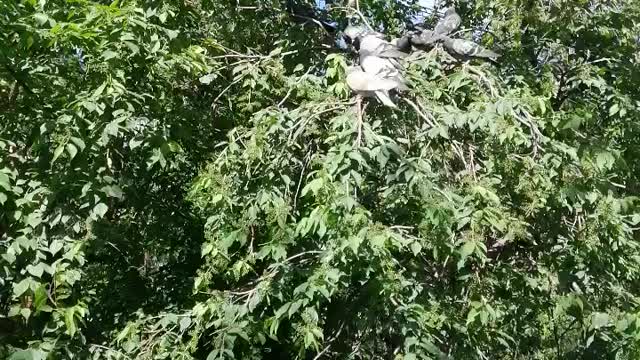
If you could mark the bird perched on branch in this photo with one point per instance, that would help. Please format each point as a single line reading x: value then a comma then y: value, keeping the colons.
x: 468, y: 49
x: 424, y: 38
x: 370, y: 85
x: 403, y: 43
x: 303, y: 13
x: 379, y: 64
x: 371, y: 43
x: 449, y: 23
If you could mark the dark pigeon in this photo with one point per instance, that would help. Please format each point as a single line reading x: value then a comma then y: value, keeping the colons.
x: 468, y: 49
x: 403, y: 43
x: 303, y: 13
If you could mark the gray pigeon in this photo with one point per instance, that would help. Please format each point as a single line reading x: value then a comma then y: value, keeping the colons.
x: 372, y: 43
x: 378, y: 57
x: 468, y: 49
x: 449, y: 23
x: 370, y: 85
x: 403, y: 43
x: 425, y: 38
x: 379, y: 61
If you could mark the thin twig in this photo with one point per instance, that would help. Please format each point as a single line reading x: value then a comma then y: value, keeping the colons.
x: 359, y: 119
x: 304, y: 166
x: 419, y: 112
x: 225, y: 90
x: 357, y: 12
x: 295, y: 85
x: 330, y: 342
x: 483, y: 79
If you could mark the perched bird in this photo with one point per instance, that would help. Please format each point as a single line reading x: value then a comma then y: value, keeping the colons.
x: 302, y: 13
x: 379, y: 60
x: 353, y: 33
x: 370, y: 85
x: 468, y: 49
x: 403, y: 43
x: 374, y: 44
x: 425, y: 38
x: 449, y: 23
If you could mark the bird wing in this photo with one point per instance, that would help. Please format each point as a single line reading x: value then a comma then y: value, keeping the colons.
x: 377, y: 65
x: 465, y: 47
x: 469, y: 48
x: 360, y: 81
x: 448, y: 24
x: 425, y: 37
x: 374, y: 45
x: 384, y: 98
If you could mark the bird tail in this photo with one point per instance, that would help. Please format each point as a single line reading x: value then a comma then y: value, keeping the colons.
x: 401, y: 85
x: 488, y: 54
x: 383, y: 96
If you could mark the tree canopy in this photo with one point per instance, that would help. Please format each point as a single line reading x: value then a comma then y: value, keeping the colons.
x: 191, y: 180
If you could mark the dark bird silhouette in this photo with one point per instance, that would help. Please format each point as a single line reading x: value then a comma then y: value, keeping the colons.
x: 303, y: 13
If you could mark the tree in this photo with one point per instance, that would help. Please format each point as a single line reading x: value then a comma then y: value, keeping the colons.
x: 176, y: 184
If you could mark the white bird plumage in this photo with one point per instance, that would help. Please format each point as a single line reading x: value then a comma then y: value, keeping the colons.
x: 379, y: 70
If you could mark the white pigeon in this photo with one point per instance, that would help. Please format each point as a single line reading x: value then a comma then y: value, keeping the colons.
x: 379, y: 65
x: 370, y: 85
x: 378, y: 57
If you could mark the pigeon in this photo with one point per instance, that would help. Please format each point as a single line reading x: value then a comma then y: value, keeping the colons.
x: 373, y: 44
x: 353, y: 34
x: 425, y: 38
x: 449, y: 23
x: 379, y: 61
x: 403, y: 43
x: 302, y: 14
x: 370, y: 85
x: 468, y: 49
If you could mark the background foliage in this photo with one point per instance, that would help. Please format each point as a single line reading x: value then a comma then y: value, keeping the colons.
x: 185, y: 180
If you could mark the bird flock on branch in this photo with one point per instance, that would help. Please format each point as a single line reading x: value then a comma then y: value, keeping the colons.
x: 380, y: 61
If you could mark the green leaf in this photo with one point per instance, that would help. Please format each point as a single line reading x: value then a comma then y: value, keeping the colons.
x: 36, y: 270
x: 109, y: 54
x: 416, y: 247
x: 21, y: 287
x: 467, y: 249
x: 207, y: 79
x: 313, y: 186
x: 172, y: 34
x: 100, y: 210
x: 55, y: 246
x: 185, y: 322
x: 70, y: 322
x: 72, y: 150
x: 5, y: 182
x: 599, y: 320
x: 78, y: 142
x: 133, y: 47
x: 57, y: 153
x: 28, y: 354
x: 41, y: 18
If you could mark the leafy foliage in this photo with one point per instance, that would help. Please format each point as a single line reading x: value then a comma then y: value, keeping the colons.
x: 176, y: 184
